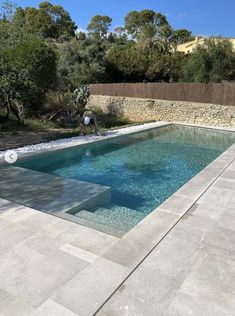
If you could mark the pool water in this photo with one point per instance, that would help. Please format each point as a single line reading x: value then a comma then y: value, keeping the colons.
x: 142, y: 169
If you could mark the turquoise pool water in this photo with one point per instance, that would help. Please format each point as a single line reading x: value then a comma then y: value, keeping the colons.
x: 143, y: 169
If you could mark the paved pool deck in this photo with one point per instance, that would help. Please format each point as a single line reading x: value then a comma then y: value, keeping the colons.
x: 180, y: 260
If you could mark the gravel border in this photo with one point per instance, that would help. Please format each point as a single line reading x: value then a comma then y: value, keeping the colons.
x: 73, y: 141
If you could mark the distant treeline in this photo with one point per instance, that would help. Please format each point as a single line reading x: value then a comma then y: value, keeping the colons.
x: 40, y: 49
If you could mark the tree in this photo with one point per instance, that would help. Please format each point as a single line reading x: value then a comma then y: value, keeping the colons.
x: 153, y: 34
x: 99, y: 25
x: 49, y: 21
x: 136, y: 21
x: 182, y: 36
x: 149, y: 41
x: 27, y: 71
x: 127, y: 63
x: 82, y: 61
x: 119, y: 36
x: 62, y: 24
x: 19, y: 17
x: 166, y: 67
x: 12, y: 31
x: 213, y: 61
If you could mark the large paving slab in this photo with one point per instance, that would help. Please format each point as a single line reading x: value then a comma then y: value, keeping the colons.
x: 84, y: 293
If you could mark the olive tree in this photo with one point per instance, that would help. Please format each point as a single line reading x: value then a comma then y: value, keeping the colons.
x: 27, y: 71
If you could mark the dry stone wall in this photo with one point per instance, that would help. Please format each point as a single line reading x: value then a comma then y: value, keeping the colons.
x: 137, y: 109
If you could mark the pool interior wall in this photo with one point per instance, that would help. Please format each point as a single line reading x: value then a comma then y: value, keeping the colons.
x: 142, y: 169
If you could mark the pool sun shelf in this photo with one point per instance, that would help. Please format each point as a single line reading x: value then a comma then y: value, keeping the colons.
x: 49, y: 193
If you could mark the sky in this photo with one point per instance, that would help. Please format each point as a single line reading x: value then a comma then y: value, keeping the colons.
x: 202, y: 17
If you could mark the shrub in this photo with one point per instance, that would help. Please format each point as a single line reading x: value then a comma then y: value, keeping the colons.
x: 80, y: 97
x: 27, y: 71
x: 212, y: 62
x: 55, y: 100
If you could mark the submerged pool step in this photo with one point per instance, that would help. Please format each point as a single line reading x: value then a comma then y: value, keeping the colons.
x: 114, y: 231
x: 115, y: 216
x: 124, y: 216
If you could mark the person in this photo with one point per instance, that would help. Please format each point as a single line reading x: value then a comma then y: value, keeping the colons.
x: 89, y: 120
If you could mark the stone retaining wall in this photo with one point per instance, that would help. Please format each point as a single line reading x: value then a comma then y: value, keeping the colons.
x: 150, y: 109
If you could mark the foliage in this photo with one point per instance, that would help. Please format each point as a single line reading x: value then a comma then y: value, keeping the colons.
x: 49, y: 21
x: 80, y: 97
x: 136, y: 21
x: 126, y: 62
x: 212, y: 62
x: 27, y: 71
x: 144, y: 62
x: 56, y: 100
x: 99, y: 25
x: 182, y: 36
x: 82, y: 62
x: 12, y: 32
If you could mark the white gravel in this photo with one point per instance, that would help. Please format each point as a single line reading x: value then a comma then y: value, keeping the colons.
x: 73, y: 141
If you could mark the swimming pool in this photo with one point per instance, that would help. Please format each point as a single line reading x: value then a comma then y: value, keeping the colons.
x: 142, y: 169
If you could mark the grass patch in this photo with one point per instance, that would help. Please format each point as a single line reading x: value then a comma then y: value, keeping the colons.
x: 53, y: 131
x: 11, y: 126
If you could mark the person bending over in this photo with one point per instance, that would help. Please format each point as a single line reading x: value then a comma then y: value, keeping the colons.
x: 89, y: 120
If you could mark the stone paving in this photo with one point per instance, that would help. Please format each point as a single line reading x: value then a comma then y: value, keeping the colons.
x: 180, y: 260
x: 41, y: 254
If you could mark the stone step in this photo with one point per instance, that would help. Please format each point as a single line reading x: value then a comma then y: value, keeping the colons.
x: 115, y: 216
x: 126, y: 217
x: 92, y: 223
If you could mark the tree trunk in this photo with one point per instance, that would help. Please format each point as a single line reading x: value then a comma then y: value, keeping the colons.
x: 18, y: 110
x: 8, y: 106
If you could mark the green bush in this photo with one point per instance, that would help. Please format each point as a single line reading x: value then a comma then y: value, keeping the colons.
x: 27, y: 71
x: 56, y: 100
x: 80, y: 97
x: 212, y: 62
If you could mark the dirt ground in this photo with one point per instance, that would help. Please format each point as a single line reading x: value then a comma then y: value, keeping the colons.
x: 29, y: 138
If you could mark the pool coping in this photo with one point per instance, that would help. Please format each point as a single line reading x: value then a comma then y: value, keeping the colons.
x: 133, y: 248
x: 219, y: 128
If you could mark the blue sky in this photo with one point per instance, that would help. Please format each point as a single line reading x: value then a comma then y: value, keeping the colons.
x: 202, y: 17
